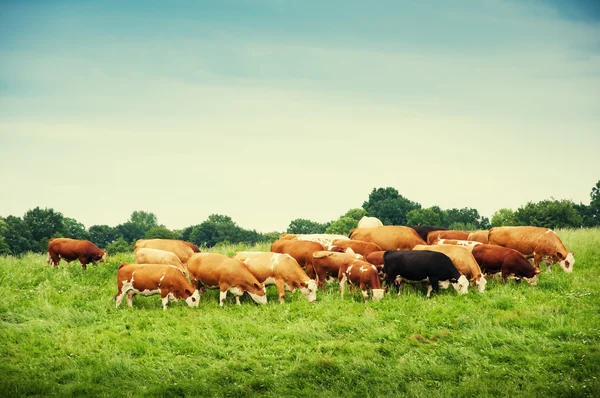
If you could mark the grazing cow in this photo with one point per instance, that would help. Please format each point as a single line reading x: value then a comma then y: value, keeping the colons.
x: 542, y: 243
x: 493, y: 259
x: 446, y: 234
x: 181, y: 248
x: 376, y: 258
x: 324, y: 239
x: 423, y: 230
x: 469, y: 244
x: 479, y: 236
x: 300, y: 250
x: 389, y: 237
x: 213, y: 270
x: 357, y: 246
x: 74, y: 249
x: 369, y: 222
x: 149, y: 279
x: 280, y: 270
x: 402, y: 266
x: 364, y: 275
x: 327, y: 263
x: 463, y: 260
x: 156, y: 256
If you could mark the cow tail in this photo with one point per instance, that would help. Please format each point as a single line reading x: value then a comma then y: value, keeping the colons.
x: 122, y: 265
x: 351, y: 232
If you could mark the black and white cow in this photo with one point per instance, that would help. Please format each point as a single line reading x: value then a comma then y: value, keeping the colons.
x: 402, y: 266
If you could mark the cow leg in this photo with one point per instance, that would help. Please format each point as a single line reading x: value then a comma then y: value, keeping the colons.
x: 343, y: 285
x: 55, y: 259
x: 83, y: 260
x: 429, y: 289
x: 130, y: 298
x: 434, y: 284
x: 280, y: 285
x: 321, y: 279
x: 119, y: 298
x: 222, y: 295
x: 537, y: 260
x: 363, y: 289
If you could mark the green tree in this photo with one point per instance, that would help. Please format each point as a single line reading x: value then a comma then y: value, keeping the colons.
x: 549, y: 213
x: 355, y: 214
x: 593, y: 214
x: 144, y: 219
x: 304, y: 226
x: 342, y: 226
x: 17, y: 236
x: 503, y: 217
x: 119, y: 246
x: 74, y: 229
x: 389, y: 206
x: 161, y: 232
x: 103, y: 235
x: 218, y: 228
x: 426, y: 216
x: 43, y: 224
x: 465, y: 216
x: 4, y: 248
x: 185, y: 233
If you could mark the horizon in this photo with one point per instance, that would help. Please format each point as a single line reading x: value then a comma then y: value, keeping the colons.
x: 269, y: 112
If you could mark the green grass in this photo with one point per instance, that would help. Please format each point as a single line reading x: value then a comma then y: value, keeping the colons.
x: 60, y: 334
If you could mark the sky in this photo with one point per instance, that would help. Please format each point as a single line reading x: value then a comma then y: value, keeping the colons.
x: 268, y: 111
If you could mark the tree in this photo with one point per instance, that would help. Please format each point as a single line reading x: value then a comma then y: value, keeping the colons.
x: 389, y: 206
x: 74, y: 229
x: 503, y: 217
x: 144, y: 219
x: 43, y: 224
x: 304, y: 226
x: 423, y: 217
x: 593, y: 214
x: 218, y: 228
x: 342, y: 226
x: 17, y: 236
x: 119, y: 246
x: 161, y: 232
x: 549, y: 213
x: 103, y: 235
x: 4, y: 248
x: 355, y: 214
x: 185, y: 233
x: 465, y: 216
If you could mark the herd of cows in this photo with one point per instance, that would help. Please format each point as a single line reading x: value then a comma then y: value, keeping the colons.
x: 373, y: 257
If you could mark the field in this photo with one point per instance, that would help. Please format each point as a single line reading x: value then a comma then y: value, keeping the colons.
x: 60, y: 334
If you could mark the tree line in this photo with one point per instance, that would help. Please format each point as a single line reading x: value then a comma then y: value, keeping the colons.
x: 19, y: 235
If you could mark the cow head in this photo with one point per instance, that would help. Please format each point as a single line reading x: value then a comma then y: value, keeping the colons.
x: 378, y: 294
x: 533, y: 280
x: 257, y: 292
x: 461, y: 285
x: 309, y: 290
x: 566, y: 263
x: 193, y: 299
x: 103, y: 258
x: 480, y: 282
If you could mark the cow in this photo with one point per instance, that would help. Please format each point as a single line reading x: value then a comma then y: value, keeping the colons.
x: 324, y: 239
x: 423, y: 230
x: 357, y: 246
x: 280, y: 270
x: 543, y: 243
x: 479, y: 236
x: 447, y: 234
x: 362, y: 274
x: 463, y: 260
x: 300, y: 250
x: 214, y: 270
x: 193, y: 247
x: 402, y: 266
x: 389, y: 237
x: 327, y: 263
x: 288, y: 237
x: 493, y: 259
x: 369, y: 222
x: 74, y: 249
x: 156, y: 256
x: 150, y: 279
x: 469, y: 244
x: 181, y: 248
x: 376, y: 258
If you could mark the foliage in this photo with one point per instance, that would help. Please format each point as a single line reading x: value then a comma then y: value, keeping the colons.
x: 103, y: 235
x: 549, y: 213
x: 218, y: 228
x: 356, y: 213
x: 42, y: 225
x: 161, y: 232
x: 504, y: 218
x: 426, y: 216
x: 461, y: 226
x: 74, y: 229
x: 139, y: 223
x: 389, y: 206
x: 591, y: 214
x: 466, y: 216
x: 18, y: 238
x: 119, y: 246
x: 342, y: 226
x: 304, y: 226
x: 4, y: 248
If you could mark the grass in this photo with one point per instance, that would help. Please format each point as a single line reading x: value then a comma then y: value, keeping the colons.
x: 60, y: 334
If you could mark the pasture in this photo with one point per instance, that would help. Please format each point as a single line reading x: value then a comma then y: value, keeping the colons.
x: 60, y: 334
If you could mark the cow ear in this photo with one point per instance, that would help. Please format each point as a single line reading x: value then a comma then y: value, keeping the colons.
x: 256, y: 285
x: 187, y: 291
x: 559, y: 255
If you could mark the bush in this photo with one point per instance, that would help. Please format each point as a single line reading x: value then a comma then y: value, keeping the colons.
x: 119, y: 246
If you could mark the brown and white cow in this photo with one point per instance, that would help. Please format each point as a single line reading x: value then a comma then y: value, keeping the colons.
x: 327, y: 263
x: 300, y: 250
x: 543, y: 243
x: 493, y: 259
x: 280, y: 270
x: 324, y: 239
x: 357, y: 246
x: 147, y: 255
x: 214, y: 270
x: 469, y: 244
x: 369, y: 222
x: 463, y: 260
x: 389, y: 237
x: 362, y: 274
x: 74, y: 249
x: 149, y: 279
x: 181, y: 248
x: 447, y: 234
x: 479, y: 236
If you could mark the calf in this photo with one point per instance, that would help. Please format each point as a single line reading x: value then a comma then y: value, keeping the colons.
x: 362, y: 274
x: 228, y: 274
x: 422, y: 266
x: 150, y: 279
x: 74, y: 249
x: 494, y: 259
x: 328, y: 263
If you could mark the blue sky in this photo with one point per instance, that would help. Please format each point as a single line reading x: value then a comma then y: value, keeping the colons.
x: 269, y: 111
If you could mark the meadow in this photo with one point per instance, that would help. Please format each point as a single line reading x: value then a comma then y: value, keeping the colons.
x: 61, y: 335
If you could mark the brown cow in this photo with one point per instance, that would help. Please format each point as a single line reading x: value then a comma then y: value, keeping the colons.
x: 357, y: 246
x: 149, y: 279
x: 228, y: 274
x: 181, y: 248
x: 447, y: 234
x: 280, y: 270
x: 193, y: 247
x: 389, y: 237
x: 542, y: 243
x: 327, y: 263
x: 493, y: 259
x: 302, y: 251
x: 479, y: 236
x: 362, y: 274
x: 147, y: 255
x: 469, y: 244
x: 288, y: 237
x: 463, y: 260
x: 74, y: 249
x: 376, y: 258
